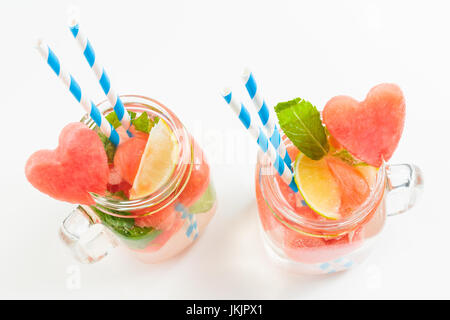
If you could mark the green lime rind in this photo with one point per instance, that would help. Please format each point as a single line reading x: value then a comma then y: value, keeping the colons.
x: 133, y: 236
x: 206, y: 201
x: 330, y: 216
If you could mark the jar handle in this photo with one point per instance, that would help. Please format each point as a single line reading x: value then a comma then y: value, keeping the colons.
x: 88, y: 240
x: 404, y: 186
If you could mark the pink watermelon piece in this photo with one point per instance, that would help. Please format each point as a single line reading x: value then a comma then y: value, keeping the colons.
x: 114, y: 176
x: 199, y: 180
x: 122, y: 186
x: 352, y: 185
x: 128, y: 157
x: 370, y: 129
x: 161, y: 220
x: 138, y: 134
x: 307, y: 249
x: 78, y: 165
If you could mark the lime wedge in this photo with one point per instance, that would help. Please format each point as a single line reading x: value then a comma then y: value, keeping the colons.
x: 158, y: 161
x: 317, y: 186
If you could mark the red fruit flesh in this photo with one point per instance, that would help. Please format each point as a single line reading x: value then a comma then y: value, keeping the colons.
x: 138, y: 134
x: 308, y: 249
x: 199, y: 180
x: 161, y: 220
x: 296, y: 240
x: 114, y: 176
x: 371, y: 129
x: 78, y: 165
x: 122, y: 186
x: 352, y: 185
x: 334, y: 143
x: 128, y: 157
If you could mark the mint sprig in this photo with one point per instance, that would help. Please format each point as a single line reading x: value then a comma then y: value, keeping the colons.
x: 134, y: 236
x: 301, y: 123
x: 114, y: 120
x: 109, y: 147
x: 142, y: 123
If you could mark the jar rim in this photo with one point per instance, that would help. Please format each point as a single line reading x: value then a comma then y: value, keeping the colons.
x: 271, y: 193
x: 184, y: 161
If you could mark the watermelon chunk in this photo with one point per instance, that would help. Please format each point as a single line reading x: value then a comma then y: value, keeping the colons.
x: 370, y: 130
x: 161, y: 220
x: 199, y: 179
x: 352, y: 185
x: 128, y: 157
x: 78, y: 165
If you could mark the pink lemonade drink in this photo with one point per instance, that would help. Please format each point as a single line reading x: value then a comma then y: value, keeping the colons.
x: 159, y: 196
x: 306, y: 242
x: 136, y: 174
x: 344, y: 197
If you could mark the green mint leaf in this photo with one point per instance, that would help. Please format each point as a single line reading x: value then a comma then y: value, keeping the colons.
x: 114, y: 120
x: 120, y: 225
x: 109, y: 147
x: 301, y: 123
x: 144, y: 123
x: 135, y: 237
x: 288, y: 104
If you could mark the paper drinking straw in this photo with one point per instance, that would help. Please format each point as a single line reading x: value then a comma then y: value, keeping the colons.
x: 100, y: 74
x: 258, y: 135
x: 267, y: 117
x: 66, y: 78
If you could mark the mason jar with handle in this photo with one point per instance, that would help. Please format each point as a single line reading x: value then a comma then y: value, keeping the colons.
x: 179, y: 210
x: 312, y: 246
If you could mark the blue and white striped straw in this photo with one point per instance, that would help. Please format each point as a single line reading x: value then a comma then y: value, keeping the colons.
x: 66, y: 78
x: 258, y: 134
x: 266, y: 116
x: 100, y: 74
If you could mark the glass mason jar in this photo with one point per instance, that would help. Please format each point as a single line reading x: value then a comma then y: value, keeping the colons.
x: 317, y: 246
x: 184, y: 204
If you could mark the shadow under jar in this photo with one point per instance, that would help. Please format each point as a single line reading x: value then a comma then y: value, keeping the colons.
x: 314, y: 245
x: 185, y: 203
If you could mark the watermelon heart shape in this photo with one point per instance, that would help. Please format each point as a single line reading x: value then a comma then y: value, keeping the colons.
x: 78, y: 165
x: 370, y: 129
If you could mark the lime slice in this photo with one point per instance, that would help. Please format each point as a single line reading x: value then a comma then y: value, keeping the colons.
x: 158, y: 161
x: 317, y: 186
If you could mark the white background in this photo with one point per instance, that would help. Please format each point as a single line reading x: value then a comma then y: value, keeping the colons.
x: 182, y: 53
